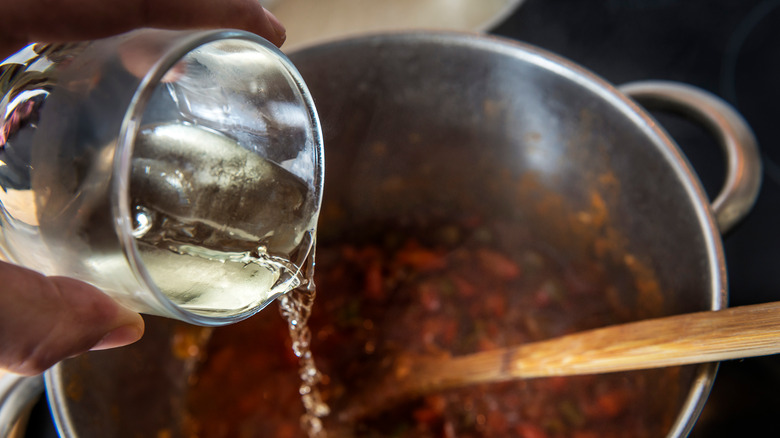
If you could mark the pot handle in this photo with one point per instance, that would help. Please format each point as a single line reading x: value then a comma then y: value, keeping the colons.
x: 17, y: 394
x: 743, y: 161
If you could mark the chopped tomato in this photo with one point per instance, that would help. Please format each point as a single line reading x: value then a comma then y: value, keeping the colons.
x: 498, y: 264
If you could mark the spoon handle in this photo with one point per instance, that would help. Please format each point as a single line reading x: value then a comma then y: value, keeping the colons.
x: 701, y: 337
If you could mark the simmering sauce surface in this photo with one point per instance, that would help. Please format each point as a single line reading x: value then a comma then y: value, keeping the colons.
x: 439, y: 287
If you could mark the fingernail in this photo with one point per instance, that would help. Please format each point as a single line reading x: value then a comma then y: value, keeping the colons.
x: 119, y: 337
x: 279, y: 28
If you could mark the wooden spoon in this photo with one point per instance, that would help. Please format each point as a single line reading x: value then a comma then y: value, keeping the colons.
x: 701, y: 337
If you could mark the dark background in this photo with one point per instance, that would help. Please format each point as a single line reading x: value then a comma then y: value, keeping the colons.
x: 728, y: 47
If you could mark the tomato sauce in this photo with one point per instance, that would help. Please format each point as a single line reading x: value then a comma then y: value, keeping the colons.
x: 444, y: 286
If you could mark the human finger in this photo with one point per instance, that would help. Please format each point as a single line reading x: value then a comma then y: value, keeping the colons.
x: 28, y: 21
x: 47, y: 319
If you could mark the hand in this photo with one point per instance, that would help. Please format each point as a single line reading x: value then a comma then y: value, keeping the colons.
x: 46, y: 319
x: 26, y: 21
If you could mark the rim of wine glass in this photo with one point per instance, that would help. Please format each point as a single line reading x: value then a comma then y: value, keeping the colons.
x: 120, y: 198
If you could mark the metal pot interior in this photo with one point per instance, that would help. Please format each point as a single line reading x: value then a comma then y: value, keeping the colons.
x: 437, y: 129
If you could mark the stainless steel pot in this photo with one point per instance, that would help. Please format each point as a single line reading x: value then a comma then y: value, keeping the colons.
x: 470, y: 114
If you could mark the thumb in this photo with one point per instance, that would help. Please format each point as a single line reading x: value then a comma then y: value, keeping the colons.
x: 46, y: 319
